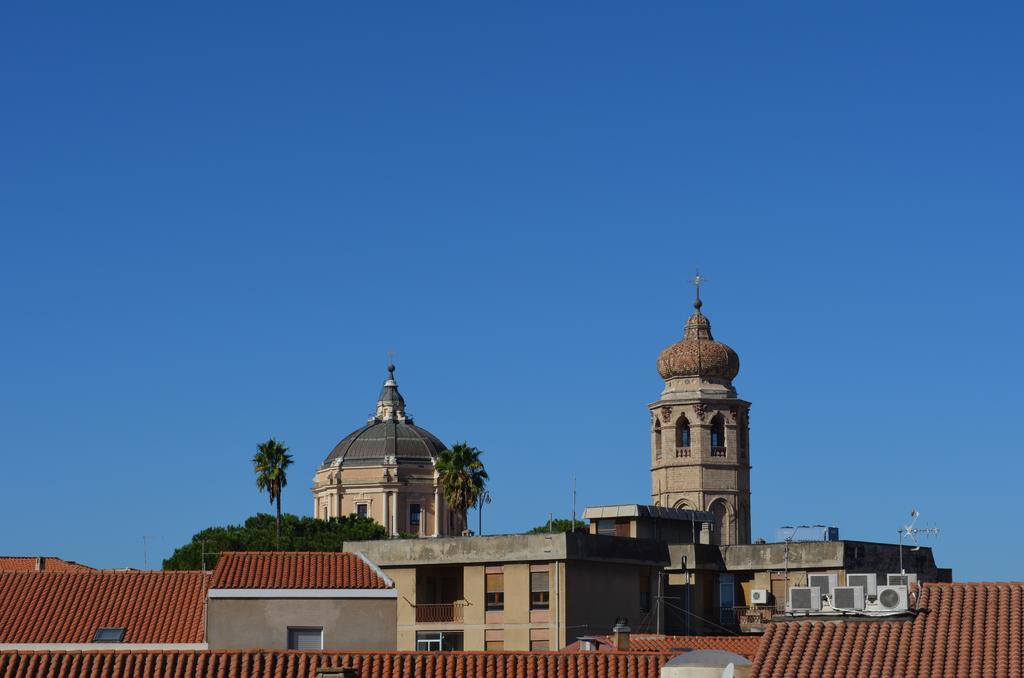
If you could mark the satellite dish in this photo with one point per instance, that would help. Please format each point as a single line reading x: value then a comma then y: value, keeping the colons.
x: 729, y: 671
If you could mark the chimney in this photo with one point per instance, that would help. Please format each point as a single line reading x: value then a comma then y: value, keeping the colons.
x: 40, y: 563
x: 337, y: 672
x: 620, y: 634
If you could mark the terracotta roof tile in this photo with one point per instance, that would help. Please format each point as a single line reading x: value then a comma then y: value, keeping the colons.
x: 295, y: 570
x: 292, y: 664
x: 30, y: 564
x: 68, y: 607
x: 961, y: 630
x: 650, y: 642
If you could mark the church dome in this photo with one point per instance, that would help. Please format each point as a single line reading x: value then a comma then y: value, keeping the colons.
x: 390, y: 436
x: 698, y: 354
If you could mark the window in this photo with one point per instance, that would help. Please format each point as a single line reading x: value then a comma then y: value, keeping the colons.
x: 435, y: 641
x: 657, y: 440
x: 645, y: 593
x: 726, y: 599
x: 717, y: 433
x: 414, y: 518
x: 361, y: 510
x: 109, y: 635
x: 305, y: 638
x: 539, y: 591
x: 683, y: 433
x: 495, y: 592
x: 494, y: 645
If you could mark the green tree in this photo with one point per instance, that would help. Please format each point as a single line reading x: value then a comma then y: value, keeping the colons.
x: 556, y: 525
x: 259, y: 533
x: 463, y: 477
x: 271, y: 463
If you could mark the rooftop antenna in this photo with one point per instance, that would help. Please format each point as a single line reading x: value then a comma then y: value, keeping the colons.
x: 909, y: 531
x: 573, y: 503
x: 145, y: 550
x: 789, y: 536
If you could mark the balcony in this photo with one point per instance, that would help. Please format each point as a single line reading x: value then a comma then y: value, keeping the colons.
x: 717, y: 451
x: 439, y: 613
x: 682, y: 451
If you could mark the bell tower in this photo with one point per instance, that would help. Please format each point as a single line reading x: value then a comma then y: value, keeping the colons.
x: 700, y: 442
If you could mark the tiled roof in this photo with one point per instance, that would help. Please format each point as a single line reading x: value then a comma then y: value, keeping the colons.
x: 961, y: 630
x: 293, y: 664
x: 295, y: 570
x: 643, y: 642
x: 744, y: 645
x: 68, y: 607
x: 30, y: 564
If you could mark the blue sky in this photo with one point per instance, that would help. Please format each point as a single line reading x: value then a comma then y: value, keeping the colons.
x: 216, y: 220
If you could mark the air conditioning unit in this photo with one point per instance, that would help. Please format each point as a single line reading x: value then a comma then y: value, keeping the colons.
x: 868, y: 582
x: 759, y: 597
x: 804, y: 599
x: 892, y: 598
x: 825, y: 582
x: 848, y: 598
x: 901, y: 579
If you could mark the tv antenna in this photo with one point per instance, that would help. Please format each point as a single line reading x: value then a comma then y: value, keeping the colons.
x: 910, y: 531
x: 145, y: 550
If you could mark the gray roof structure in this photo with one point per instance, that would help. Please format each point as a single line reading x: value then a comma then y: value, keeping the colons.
x: 389, y: 437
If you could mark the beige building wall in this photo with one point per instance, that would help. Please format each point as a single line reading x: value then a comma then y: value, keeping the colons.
x: 348, y: 623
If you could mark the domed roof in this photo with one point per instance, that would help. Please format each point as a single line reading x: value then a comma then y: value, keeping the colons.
x: 698, y: 354
x: 389, y: 435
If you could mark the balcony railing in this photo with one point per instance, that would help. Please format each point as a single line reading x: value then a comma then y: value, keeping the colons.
x: 717, y: 451
x: 443, y: 613
x: 682, y: 451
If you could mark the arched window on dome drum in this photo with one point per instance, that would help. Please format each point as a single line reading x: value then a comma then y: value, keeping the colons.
x: 683, y: 436
x: 717, y: 436
x: 657, y: 440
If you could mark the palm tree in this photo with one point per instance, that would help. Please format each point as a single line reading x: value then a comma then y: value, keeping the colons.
x: 462, y: 478
x: 271, y: 462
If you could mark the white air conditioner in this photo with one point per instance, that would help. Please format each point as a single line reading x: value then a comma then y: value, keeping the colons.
x: 825, y: 582
x: 804, y: 599
x: 848, y: 598
x: 901, y: 579
x: 867, y: 581
x: 891, y: 598
x: 759, y: 597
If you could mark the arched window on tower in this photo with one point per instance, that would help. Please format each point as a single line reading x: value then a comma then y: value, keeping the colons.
x: 718, y: 436
x: 657, y: 439
x: 683, y: 437
x: 742, y: 435
x: 721, y: 532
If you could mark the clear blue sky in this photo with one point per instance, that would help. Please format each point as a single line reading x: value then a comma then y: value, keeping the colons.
x: 216, y: 219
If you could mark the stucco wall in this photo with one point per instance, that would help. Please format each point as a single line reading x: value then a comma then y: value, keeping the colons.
x: 348, y: 623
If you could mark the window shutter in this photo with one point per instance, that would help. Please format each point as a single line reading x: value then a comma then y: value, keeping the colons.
x: 305, y: 639
x: 538, y: 581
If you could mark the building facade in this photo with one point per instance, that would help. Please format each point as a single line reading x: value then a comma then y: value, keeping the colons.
x: 300, y: 601
x: 386, y: 471
x: 700, y: 442
x: 518, y: 592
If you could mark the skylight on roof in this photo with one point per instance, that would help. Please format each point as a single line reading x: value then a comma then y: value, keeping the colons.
x: 109, y: 635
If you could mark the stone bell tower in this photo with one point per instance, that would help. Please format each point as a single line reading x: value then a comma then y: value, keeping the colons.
x: 700, y: 442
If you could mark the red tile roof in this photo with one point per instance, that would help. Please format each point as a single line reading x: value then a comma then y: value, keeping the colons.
x: 30, y: 564
x: 644, y: 642
x: 292, y: 664
x: 68, y: 607
x: 961, y: 630
x: 744, y: 645
x: 295, y: 570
